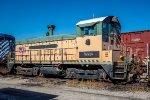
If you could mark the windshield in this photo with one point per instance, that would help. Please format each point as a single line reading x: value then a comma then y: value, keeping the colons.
x: 115, y: 25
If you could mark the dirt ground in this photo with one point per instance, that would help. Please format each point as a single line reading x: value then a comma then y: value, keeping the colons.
x: 40, y: 88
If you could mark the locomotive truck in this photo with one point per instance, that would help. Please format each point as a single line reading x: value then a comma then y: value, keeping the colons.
x: 93, y: 53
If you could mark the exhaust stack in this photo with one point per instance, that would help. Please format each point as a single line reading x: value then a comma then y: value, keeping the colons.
x: 50, y: 30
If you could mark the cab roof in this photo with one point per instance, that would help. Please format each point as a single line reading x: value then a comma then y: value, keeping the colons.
x: 94, y: 20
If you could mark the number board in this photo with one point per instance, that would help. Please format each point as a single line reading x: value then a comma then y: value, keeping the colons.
x: 89, y: 54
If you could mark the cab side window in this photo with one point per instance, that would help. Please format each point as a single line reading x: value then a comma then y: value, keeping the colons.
x: 88, y: 31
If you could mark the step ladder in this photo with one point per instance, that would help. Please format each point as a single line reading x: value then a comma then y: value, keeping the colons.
x: 120, y: 71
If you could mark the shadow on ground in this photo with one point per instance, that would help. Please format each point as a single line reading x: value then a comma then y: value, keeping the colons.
x: 18, y: 94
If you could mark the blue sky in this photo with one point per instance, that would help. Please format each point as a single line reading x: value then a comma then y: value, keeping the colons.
x: 29, y: 18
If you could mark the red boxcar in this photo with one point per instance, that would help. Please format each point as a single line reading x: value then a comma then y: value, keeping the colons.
x: 137, y: 43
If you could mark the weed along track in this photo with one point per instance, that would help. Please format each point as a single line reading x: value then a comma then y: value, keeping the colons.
x: 89, y: 84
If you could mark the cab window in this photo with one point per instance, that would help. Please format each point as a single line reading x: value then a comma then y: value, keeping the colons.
x: 88, y: 31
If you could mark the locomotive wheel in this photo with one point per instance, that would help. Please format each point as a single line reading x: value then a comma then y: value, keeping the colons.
x: 4, y: 70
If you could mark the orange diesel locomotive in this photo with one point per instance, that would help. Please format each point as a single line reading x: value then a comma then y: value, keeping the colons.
x: 93, y: 53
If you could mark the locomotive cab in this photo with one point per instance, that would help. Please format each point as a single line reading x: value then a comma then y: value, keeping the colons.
x: 101, y: 35
x: 99, y: 45
x: 108, y: 27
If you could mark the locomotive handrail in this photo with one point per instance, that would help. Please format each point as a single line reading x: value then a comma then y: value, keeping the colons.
x: 28, y: 56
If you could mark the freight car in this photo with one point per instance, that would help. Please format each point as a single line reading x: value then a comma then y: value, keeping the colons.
x: 137, y: 44
x: 93, y: 53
